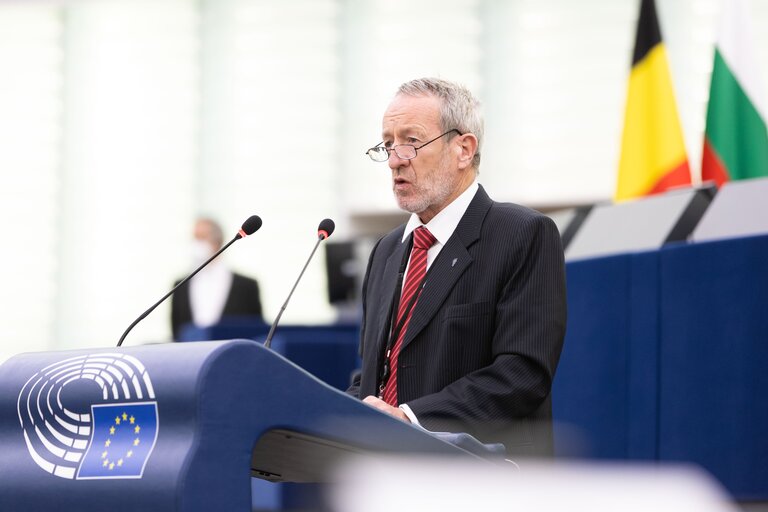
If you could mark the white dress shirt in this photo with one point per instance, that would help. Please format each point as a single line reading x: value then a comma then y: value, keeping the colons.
x: 442, y: 227
x: 208, y: 293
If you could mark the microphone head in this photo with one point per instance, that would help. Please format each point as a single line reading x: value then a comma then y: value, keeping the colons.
x: 325, y: 229
x: 250, y: 226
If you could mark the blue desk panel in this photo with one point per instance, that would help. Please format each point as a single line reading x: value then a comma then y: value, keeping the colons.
x: 714, y: 361
x: 666, y: 358
x: 329, y: 352
x: 589, y: 396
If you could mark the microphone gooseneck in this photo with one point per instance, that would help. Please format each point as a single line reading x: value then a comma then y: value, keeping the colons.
x: 324, y: 230
x: 249, y: 227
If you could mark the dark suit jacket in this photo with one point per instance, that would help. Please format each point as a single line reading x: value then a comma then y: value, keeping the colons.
x: 486, y: 334
x: 243, y: 299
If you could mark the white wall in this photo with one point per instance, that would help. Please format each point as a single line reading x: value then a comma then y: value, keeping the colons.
x: 120, y: 120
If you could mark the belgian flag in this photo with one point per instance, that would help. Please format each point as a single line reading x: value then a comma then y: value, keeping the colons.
x: 653, y: 157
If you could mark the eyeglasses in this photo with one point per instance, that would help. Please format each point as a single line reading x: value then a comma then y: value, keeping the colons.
x: 380, y: 153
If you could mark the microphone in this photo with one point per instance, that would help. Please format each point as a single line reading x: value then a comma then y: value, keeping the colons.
x: 249, y: 227
x: 324, y: 230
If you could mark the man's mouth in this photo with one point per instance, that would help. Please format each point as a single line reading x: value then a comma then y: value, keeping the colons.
x: 400, y: 184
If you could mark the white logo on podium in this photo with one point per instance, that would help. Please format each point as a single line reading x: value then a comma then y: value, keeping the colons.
x: 123, y: 421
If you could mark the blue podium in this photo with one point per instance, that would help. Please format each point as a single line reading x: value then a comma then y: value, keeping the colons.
x: 175, y: 427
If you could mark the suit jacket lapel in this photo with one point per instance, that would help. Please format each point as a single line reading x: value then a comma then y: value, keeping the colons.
x: 450, y: 264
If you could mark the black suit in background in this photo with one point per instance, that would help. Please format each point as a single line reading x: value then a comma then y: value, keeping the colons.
x: 486, y: 333
x: 243, y: 300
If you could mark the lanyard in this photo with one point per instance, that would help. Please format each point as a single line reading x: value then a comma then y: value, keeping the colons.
x: 397, y: 327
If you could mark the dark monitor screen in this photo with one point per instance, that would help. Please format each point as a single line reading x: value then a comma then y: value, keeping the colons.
x: 343, y: 272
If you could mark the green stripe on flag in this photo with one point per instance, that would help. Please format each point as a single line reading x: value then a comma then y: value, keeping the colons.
x: 734, y: 126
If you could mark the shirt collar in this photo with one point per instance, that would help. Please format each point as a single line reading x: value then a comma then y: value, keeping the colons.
x: 444, y: 223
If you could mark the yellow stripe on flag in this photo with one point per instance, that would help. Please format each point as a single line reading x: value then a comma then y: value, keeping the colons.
x: 652, y: 145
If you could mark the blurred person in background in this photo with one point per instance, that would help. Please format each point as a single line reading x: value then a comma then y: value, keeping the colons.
x: 216, y: 292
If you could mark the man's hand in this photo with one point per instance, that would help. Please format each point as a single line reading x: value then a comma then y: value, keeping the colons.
x: 385, y: 407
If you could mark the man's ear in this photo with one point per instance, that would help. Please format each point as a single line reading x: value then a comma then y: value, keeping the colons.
x: 467, y: 148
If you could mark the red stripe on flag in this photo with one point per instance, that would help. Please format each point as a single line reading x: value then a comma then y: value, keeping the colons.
x: 680, y: 176
x: 712, y: 167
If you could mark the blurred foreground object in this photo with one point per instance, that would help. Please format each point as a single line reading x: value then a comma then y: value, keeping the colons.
x: 452, y: 485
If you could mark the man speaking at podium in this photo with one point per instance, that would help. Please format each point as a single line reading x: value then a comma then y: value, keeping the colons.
x: 463, y: 306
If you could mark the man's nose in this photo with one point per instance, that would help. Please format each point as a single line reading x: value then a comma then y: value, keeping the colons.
x: 395, y: 162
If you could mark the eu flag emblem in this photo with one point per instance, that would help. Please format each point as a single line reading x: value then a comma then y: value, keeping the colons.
x: 123, y: 438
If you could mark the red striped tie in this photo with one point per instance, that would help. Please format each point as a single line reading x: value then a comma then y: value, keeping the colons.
x: 417, y: 269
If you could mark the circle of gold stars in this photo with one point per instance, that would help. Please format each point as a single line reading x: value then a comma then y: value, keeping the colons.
x: 122, y: 419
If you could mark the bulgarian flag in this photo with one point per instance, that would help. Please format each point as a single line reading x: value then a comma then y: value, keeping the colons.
x: 653, y: 157
x: 736, y: 140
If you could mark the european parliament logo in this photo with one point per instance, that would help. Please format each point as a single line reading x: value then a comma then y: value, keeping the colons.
x: 90, y: 417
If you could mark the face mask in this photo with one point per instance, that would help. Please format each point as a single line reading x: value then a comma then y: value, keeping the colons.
x: 200, y: 252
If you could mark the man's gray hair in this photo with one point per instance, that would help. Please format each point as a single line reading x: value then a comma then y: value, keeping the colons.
x: 460, y: 109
